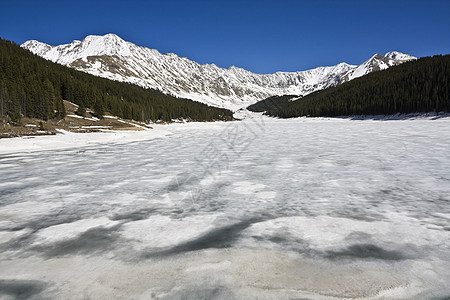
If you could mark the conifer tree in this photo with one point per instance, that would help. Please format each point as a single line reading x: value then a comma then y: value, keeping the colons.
x: 98, y: 109
x: 81, y: 110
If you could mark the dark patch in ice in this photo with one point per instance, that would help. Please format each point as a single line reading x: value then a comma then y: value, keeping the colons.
x: 368, y: 251
x: 21, y: 289
x: 222, y: 237
x: 7, y: 192
x: 441, y: 298
x: 287, y: 242
x: 18, y: 243
x: 277, y: 239
x: 343, y: 162
x: 284, y: 239
x: 445, y: 297
x: 136, y: 215
x: 204, y: 293
x: 92, y: 241
x: 360, y: 214
x: 358, y: 235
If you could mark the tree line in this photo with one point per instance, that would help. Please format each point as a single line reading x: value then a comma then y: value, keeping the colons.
x: 417, y: 86
x: 272, y: 102
x: 33, y: 87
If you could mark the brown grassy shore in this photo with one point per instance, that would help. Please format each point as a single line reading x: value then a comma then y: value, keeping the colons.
x: 72, y: 123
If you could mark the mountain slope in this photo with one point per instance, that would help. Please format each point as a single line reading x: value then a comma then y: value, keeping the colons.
x: 111, y: 57
x: 417, y: 86
x: 31, y: 86
x: 377, y: 63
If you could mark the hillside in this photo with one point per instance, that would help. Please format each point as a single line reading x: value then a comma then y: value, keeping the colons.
x: 272, y: 102
x: 70, y: 123
x: 33, y: 87
x: 417, y: 86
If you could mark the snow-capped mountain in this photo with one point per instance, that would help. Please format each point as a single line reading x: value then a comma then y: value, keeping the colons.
x: 377, y: 63
x: 111, y: 57
x: 399, y: 56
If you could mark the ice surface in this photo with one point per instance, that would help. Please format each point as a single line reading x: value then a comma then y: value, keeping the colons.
x: 261, y: 208
x: 68, y: 231
x: 68, y: 140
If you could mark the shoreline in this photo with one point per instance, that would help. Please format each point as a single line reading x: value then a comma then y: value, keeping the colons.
x: 66, y: 140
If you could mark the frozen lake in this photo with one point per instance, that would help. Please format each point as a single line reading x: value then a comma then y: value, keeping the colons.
x: 258, y: 209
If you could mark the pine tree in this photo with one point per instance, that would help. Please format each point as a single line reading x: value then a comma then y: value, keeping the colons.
x: 98, y: 109
x: 60, y: 109
x: 81, y: 110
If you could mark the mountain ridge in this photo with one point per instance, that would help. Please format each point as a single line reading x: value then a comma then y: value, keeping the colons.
x: 112, y: 57
x: 418, y: 86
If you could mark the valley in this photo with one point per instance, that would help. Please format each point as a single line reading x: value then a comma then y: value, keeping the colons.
x: 334, y: 209
x: 224, y: 150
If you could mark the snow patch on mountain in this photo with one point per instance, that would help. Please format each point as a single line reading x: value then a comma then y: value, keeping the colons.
x: 399, y: 56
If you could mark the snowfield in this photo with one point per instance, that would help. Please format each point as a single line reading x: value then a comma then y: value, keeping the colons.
x: 257, y: 209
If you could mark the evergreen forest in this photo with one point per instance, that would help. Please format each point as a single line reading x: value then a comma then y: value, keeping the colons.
x: 33, y: 87
x: 412, y: 87
x: 271, y: 103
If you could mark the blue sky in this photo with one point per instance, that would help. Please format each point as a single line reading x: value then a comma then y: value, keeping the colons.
x: 261, y: 36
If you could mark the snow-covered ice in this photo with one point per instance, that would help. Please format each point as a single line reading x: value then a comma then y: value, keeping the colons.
x: 260, y: 209
x: 68, y: 140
